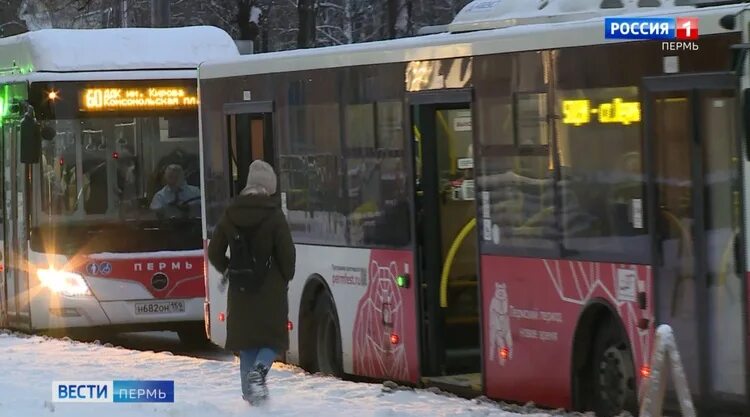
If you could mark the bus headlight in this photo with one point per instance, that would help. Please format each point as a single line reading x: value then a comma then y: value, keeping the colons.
x: 61, y: 282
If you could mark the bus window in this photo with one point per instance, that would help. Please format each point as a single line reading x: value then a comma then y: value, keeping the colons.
x: 311, y: 163
x: 378, y: 200
x: 601, y: 174
x: 58, y: 172
x: 122, y: 164
x: 516, y: 174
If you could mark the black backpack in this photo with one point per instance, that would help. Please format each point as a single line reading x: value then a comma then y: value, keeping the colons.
x: 247, y: 268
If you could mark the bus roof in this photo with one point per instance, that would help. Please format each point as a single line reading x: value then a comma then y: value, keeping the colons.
x: 513, y: 32
x: 75, y: 50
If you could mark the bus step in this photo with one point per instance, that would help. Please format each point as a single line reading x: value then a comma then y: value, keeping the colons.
x: 472, y: 381
x: 461, y: 353
x: 462, y: 320
x: 461, y: 283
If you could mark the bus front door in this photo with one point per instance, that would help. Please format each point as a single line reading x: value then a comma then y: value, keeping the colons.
x: 15, y: 273
x: 3, y: 285
x: 694, y: 181
x: 446, y: 238
x: 249, y: 137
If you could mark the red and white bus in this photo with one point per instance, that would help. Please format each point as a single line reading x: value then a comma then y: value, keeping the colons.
x: 91, y: 119
x: 509, y: 206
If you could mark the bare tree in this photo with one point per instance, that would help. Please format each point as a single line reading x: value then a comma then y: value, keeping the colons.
x: 266, y: 22
x: 399, y: 18
x: 10, y: 22
x: 307, y: 13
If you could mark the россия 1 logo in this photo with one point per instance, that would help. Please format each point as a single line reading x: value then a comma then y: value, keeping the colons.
x: 675, y: 31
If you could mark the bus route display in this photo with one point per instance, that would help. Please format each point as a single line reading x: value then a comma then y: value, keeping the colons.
x: 137, y: 98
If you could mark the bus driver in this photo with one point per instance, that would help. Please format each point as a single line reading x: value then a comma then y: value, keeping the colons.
x: 176, y: 193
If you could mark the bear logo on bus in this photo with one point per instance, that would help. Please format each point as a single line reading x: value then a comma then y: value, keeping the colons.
x: 501, y: 341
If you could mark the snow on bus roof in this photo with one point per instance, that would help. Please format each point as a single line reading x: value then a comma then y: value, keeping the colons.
x: 521, y: 36
x: 67, y: 50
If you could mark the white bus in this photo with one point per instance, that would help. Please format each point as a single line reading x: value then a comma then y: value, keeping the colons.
x: 91, y: 119
x: 509, y: 206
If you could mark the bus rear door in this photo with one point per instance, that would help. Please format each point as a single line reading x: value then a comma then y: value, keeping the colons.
x: 694, y: 169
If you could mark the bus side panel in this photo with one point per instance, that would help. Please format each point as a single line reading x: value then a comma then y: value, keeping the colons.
x: 531, y: 309
x: 385, y: 330
x: 373, y: 312
x: 216, y: 297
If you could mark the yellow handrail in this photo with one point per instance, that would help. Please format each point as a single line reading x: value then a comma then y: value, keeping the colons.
x: 448, y: 264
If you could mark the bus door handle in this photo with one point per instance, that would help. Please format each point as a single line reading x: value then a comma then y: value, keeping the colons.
x: 738, y: 256
x: 659, y: 249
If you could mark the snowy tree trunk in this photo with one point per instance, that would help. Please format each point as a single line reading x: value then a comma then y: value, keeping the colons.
x: 248, y: 16
x: 307, y: 11
x: 399, y: 18
x: 263, y: 25
x: 160, y: 12
x: 348, y: 18
x: 115, y: 16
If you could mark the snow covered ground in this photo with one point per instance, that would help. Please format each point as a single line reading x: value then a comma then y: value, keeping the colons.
x: 203, y: 388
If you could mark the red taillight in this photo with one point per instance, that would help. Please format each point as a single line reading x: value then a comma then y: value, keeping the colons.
x: 61, y: 161
x: 394, y: 339
x: 504, y: 353
x: 289, y: 325
x: 645, y: 371
x: 221, y: 317
x: 115, y: 155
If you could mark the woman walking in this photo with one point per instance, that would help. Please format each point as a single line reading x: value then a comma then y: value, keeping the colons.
x: 257, y: 305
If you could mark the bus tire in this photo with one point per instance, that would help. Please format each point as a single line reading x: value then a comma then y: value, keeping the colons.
x: 613, y: 383
x: 327, y: 339
x: 194, y: 337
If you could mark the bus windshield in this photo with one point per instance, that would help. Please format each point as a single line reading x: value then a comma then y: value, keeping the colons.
x: 141, y: 173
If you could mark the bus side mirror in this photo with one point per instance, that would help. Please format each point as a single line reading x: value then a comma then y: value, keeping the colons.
x: 31, y: 140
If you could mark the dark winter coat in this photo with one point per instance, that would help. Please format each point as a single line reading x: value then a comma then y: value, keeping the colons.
x: 257, y: 319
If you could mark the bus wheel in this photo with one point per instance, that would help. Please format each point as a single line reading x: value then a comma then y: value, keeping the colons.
x: 613, y: 379
x: 327, y: 340
x: 194, y: 336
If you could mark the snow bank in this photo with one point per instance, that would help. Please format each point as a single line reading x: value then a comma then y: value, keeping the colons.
x: 28, y: 365
x: 115, y: 49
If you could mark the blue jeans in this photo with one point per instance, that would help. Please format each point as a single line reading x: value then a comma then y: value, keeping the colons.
x: 250, y: 359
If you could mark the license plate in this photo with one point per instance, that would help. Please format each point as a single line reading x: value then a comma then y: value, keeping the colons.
x: 160, y: 307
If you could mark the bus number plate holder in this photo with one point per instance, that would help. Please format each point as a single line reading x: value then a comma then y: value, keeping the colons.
x: 160, y: 307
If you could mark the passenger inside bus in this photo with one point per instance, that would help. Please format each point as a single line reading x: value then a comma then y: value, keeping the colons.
x: 127, y: 186
x: 59, y: 192
x: 95, y: 185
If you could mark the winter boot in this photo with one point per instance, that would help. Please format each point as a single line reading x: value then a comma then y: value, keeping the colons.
x: 256, y: 384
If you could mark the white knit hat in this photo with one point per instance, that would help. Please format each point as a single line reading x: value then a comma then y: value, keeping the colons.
x: 260, y: 179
